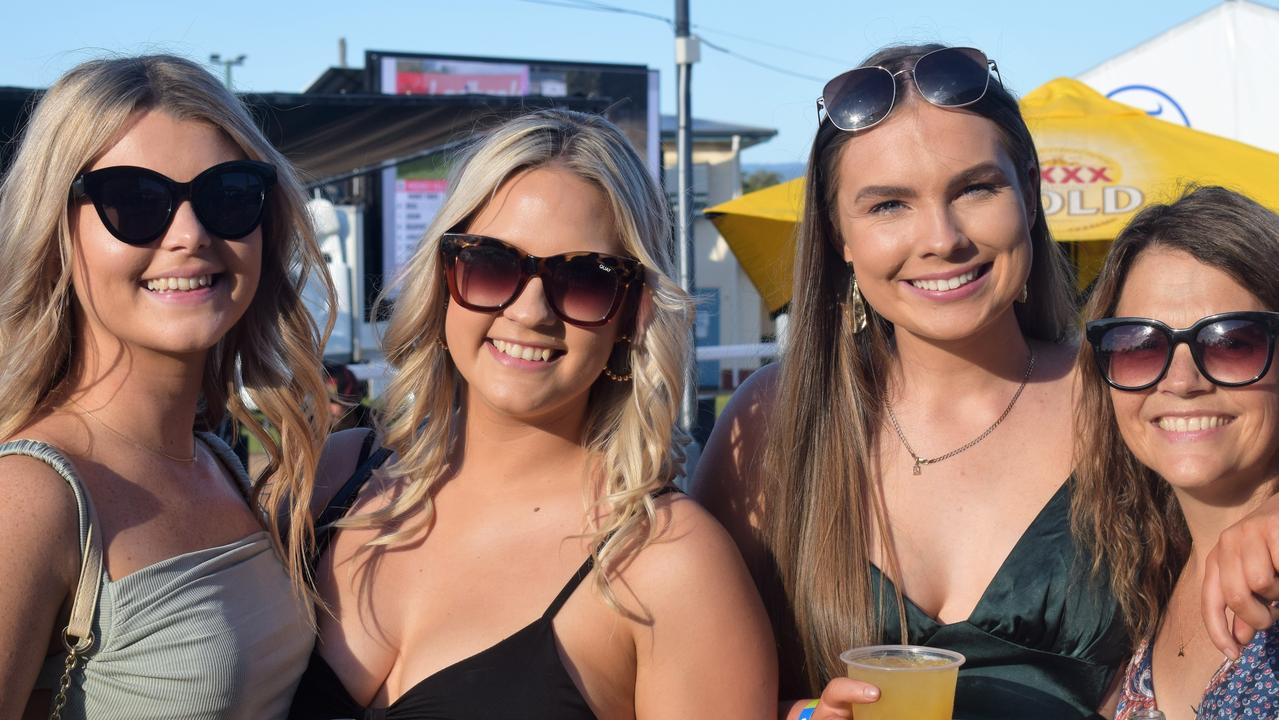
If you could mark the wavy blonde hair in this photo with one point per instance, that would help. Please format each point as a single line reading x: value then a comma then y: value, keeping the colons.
x: 820, y: 491
x: 630, y: 427
x: 271, y: 354
x: 1122, y: 510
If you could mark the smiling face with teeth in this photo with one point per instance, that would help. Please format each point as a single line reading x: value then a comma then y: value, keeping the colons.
x: 933, y: 215
x: 182, y: 293
x: 1218, y: 443
x: 524, y: 362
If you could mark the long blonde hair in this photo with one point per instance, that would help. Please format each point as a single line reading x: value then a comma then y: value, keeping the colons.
x: 630, y: 427
x: 271, y: 354
x: 1122, y: 510
x: 820, y: 492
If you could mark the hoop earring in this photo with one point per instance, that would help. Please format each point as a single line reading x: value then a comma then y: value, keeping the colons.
x: 1025, y: 294
x: 856, y: 306
x: 626, y: 374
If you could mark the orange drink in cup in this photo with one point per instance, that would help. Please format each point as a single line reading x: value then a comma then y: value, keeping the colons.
x: 915, y: 683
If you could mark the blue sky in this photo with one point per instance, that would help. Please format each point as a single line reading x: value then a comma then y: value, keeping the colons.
x: 290, y: 43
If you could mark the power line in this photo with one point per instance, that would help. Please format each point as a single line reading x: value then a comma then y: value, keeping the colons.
x: 760, y: 63
x: 596, y: 6
x: 600, y: 7
x: 628, y: 11
x: 776, y: 46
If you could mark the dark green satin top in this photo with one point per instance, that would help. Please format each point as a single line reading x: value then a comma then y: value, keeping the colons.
x: 1043, y: 642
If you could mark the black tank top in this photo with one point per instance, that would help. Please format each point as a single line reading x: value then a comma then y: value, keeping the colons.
x: 520, y: 678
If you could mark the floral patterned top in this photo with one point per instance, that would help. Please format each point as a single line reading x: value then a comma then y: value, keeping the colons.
x: 1245, y: 688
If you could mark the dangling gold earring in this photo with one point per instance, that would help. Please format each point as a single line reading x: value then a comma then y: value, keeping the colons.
x: 624, y: 375
x: 1025, y: 294
x: 856, y: 305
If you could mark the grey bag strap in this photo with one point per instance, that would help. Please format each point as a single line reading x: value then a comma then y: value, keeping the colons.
x: 78, y: 635
x: 226, y: 456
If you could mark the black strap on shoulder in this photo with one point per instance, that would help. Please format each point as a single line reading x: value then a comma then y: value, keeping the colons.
x: 589, y: 564
x: 554, y: 608
x: 342, y: 501
x: 230, y: 462
x: 365, y: 447
x: 664, y: 490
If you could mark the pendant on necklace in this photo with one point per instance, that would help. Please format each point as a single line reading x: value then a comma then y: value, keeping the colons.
x: 919, y: 464
x: 1181, y: 650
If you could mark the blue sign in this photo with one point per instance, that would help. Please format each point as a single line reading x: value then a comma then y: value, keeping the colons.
x: 706, y: 332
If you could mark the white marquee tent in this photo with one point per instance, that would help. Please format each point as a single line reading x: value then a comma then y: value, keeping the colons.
x: 1217, y: 72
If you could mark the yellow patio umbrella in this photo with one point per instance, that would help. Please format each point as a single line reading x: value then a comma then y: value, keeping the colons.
x: 1100, y: 162
x: 760, y: 228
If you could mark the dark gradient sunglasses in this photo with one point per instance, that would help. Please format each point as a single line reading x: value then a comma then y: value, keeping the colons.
x: 1230, y: 349
x: 485, y: 274
x: 950, y: 77
x: 137, y: 205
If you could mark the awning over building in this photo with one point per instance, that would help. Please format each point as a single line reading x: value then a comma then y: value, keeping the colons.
x: 330, y: 135
x: 717, y: 131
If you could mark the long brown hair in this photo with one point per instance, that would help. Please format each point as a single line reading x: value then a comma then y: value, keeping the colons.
x: 820, y: 489
x: 271, y: 354
x: 1122, y: 510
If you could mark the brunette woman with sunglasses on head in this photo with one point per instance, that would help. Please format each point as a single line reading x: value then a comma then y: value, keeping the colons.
x: 152, y: 250
x: 902, y: 474
x: 1180, y: 438
x: 519, y: 555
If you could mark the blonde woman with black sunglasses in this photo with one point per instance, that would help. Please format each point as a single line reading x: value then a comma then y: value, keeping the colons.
x: 152, y: 250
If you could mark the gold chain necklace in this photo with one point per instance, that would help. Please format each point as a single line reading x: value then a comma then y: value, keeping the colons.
x: 1178, y: 626
x: 920, y: 462
x: 130, y: 440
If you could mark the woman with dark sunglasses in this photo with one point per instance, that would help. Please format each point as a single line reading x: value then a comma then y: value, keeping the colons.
x: 513, y: 549
x: 1179, y: 439
x: 901, y: 475
x: 153, y: 247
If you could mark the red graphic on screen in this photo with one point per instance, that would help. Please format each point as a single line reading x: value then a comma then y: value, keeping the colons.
x: 429, y: 83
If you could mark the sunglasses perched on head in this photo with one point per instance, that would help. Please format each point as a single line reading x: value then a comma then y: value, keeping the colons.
x: 950, y: 77
x: 1230, y: 349
x: 485, y: 274
x: 137, y: 205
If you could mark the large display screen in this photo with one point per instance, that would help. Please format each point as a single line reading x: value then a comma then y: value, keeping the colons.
x: 411, y: 193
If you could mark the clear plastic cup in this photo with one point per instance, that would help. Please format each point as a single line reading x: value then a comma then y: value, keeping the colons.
x: 915, y: 683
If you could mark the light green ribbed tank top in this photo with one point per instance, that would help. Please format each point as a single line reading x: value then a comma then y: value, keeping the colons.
x: 212, y: 634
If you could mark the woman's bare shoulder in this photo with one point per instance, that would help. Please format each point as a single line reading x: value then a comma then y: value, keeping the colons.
x: 753, y: 400
x: 34, y: 484
x: 39, y: 564
x: 698, y: 623
x: 728, y: 480
x: 688, y: 552
x: 39, y: 518
x: 740, y: 432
